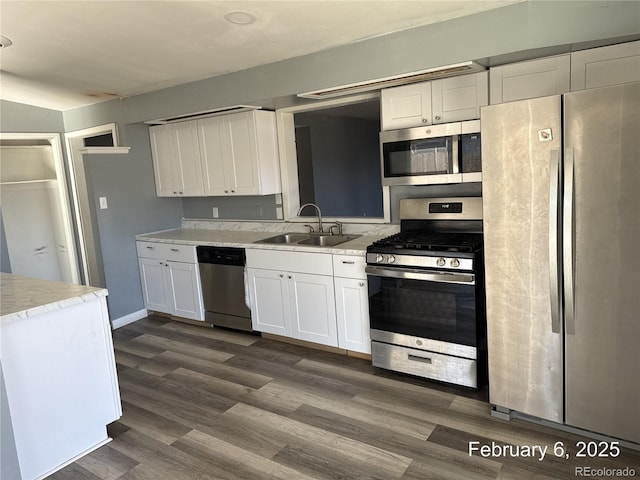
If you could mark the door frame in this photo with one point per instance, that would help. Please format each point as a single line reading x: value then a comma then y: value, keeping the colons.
x: 63, y: 193
x: 87, y: 226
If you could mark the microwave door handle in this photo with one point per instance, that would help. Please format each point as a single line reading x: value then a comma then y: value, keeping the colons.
x: 554, y: 241
x: 568, y: 245
x: 455, y: 163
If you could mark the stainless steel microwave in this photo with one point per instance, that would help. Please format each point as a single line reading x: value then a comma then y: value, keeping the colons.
x: 434, y: 154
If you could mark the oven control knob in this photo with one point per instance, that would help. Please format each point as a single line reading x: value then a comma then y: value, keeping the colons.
x: 441, y: 262
x: 455, y: 263
x: 391, y: 259
x: 379, y: 258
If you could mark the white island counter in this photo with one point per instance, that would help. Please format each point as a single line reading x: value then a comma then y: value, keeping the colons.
x: 57, y: 373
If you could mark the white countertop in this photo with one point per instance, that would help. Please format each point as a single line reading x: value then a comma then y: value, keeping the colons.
x: 22, y: 297
x: 246, y: 239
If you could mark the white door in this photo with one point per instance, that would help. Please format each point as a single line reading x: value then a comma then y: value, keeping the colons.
x: 407, y: 106
x: 154, y: 285
x: 187, y: 154
x: 243, y: 172
x: 352, y: 312
x: 213, y: 151
x: 164, y: 165
x: 459, y: 98
x: 313, y: 305
x: 270, y: 310
x: 185, y: 292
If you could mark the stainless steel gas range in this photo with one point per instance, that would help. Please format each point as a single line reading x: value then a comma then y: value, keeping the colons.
x: 426, y: 292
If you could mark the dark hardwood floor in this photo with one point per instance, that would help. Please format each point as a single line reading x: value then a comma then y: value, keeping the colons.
x: 203, y: 404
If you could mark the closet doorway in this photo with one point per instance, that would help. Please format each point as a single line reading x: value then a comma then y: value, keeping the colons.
x: 38, y: 237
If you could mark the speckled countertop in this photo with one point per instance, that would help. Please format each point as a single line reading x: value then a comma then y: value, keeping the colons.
x: 22, y: 297
x: 246, y: 239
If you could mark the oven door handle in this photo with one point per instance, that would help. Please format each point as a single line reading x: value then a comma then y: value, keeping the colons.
x: 412, y: 274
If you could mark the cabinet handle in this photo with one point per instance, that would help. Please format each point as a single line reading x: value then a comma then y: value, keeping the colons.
x: 226, y: 191
x: 233, y: 191
x: 425, y: 120
x: 175, y: 193
x: 438, y: 117
x: 175, y: 249
x: 282, y: 275
x: 289, y: 277
x: 348, y: 262
x: 362, y: 284
x: 150, y: 247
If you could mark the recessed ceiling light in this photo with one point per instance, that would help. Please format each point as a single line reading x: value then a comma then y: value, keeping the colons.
x: 5, y: 42
x: 240, y: 17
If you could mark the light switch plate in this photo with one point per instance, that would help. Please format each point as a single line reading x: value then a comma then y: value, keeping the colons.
x: 103, y: 203
x: 215, y: 212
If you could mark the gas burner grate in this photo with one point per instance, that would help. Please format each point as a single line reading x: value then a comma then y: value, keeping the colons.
x: 432, y: 241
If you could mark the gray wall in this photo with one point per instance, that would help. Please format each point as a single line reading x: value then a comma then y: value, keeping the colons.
x: 242, y: 207
x: 133, y: 208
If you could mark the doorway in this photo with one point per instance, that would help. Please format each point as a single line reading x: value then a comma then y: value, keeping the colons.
x: 38, y: 239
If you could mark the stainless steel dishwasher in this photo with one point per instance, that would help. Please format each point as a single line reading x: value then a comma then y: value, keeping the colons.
x: 223, y: 288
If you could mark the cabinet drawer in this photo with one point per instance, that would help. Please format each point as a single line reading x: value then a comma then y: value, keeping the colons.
x: 349, y: 266
x: 167, y: 251
x: 290, y: 261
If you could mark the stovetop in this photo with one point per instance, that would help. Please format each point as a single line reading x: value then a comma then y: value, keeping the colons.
x: 436, y: 242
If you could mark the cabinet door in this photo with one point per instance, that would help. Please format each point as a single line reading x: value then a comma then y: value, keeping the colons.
x: 243, y: 161
x: 314, y: 310
x: 154, y: 285
x: 270, y: 306
x: 187, y: 155
x: 459, y: 98
x: 531, y: 79
x: 352, y: 312
x: 602, y: 67
x: 406, y: 106
x: 164, y: 165
x: 212, y: 138
x: 184, y: 290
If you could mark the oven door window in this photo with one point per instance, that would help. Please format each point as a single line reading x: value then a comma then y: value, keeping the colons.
x: 431, y: 156
x: 439, y: 311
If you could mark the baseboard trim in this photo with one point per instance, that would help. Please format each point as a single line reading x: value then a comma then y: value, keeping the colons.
x: 127, y: 319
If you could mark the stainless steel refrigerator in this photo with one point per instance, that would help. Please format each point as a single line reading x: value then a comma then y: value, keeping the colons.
x: 561, y: 201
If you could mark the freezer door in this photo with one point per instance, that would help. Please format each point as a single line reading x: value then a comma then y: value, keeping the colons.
x: 521, y: 145
x: 602, y: 258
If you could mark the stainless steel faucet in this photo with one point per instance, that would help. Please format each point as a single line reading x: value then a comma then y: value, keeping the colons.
x: 318, y: 213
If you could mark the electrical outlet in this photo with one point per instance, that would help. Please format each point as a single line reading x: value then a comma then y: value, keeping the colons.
x: 259, y: 211
x: 215, y: 212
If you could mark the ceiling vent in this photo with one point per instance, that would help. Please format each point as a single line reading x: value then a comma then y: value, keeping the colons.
x: 204, y: 114
x: 402, y: 79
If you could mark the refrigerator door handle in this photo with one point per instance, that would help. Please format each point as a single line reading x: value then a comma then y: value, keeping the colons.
x: 554, y: 241
x: 568, y: 246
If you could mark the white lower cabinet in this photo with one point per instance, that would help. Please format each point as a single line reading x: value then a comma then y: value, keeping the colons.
x: 352, y: 303
x: 171, y: 279
x: 293, y: 295
x: 316, y: 297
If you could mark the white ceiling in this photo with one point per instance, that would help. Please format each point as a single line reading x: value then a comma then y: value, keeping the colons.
x: 66, y: 54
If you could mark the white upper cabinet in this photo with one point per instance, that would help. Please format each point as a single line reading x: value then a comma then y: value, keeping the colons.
x: 440, y: 101
x: 176, y: 160
x: 235, y: 154
x: 530, y: 79
x: 459, y: 98
x: 240, y: 154
x: 406, y: 106
x: 605, y: 66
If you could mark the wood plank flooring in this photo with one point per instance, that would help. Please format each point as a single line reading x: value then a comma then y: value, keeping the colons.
x: 204, y: 404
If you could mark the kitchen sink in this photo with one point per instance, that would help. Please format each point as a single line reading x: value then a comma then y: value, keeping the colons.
x: 313, y: 239
x: 326, y: 240
x: 285, y: 238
